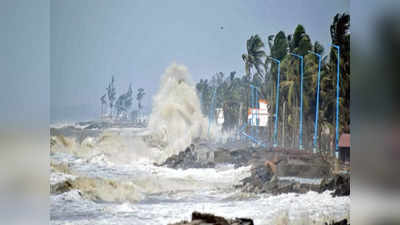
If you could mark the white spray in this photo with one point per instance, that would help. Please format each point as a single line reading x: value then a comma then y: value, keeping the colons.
x: 176, y: 119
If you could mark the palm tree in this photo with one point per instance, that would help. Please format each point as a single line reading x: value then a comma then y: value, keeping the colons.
x: 103, y: 103
x: 139, y: 98
x: 340, y: 34
x: 290, y: 92
x: 111, y: 93
x: 254, y: 56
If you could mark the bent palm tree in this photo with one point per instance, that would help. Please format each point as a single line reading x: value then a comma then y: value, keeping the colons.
x: 254, y: 56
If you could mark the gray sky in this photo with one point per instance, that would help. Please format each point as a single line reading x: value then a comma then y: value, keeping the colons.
x: 136, y: 40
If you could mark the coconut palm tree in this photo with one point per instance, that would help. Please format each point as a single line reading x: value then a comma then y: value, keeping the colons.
x: 111, y: 93
x: 103, y: 103
x: 254, y: 56
x: 139, y: 98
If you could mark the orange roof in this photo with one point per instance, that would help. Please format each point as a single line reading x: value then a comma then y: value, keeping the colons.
x: 344, y: 141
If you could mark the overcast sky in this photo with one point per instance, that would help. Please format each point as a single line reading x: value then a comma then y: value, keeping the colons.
x: 135, y: 41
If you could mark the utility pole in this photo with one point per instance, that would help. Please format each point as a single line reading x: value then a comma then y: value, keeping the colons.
x: 283, y: 126
x: 316, y: 104
x: 276, y: 101
x: 301, y: 101
x: 337, y: 100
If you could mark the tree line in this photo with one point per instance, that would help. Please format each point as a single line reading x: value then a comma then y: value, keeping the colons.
x: 233, y: 92
x: 118, y: 108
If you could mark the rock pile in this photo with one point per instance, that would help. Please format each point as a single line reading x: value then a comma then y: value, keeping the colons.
x: 210, y: 219
x: 261, y: 174
x: 340, y: 183
x: 263, y: 179
x: 186, y: 159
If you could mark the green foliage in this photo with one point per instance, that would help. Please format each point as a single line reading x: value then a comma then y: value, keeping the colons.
x: 111, y: 94
x: 253, y: 58
x: 304, y: 45
x: 318, y: 48
x: 233, y: 92
x: 139, y: 98
x: 298, y: 35
x: 279, y: 48
x: 124, y: 103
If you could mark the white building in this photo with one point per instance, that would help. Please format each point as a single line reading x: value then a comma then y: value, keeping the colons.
x: 220, y: 116
x: 259, y: 116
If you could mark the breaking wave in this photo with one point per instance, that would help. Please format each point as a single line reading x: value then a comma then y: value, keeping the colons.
x: 176, y: 119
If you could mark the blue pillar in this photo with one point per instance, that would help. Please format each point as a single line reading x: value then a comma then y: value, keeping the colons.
x: 317, y: 104
x: 256, y: 107
x: 276, y: 102
x: 301, y: 101
x: 337, y: 100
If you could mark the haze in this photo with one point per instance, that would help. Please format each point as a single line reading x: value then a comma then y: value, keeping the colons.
x: 136, y: 40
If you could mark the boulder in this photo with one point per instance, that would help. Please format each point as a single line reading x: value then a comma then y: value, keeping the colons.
x: 61, y: 187
x: 341, y: 222
x: 306, y: 168
x: 340, y: 183
x: 210, y: 219
x: 258, y: 181
x: 186, y: 159
x: 263, y: 179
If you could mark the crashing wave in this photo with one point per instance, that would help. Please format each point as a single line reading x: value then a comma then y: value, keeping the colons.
x: 176, y: 119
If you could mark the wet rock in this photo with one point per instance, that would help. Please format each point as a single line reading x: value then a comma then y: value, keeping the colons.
x: 341, y: 222
x: 210, y: 219
x: 186, y: 159
x: 223, y: 156
x: 61, y: 187
x: 311, y: 167
x: 240, y: 157
x: 340, y: 183
x: 263, y: 179
x: 261, y: 174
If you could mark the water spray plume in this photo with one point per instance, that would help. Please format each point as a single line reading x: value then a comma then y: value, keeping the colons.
x: 176, y: 117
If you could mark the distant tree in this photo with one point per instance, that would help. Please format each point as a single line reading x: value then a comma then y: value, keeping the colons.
x: 123, y: 103
x: 111, y: 93
x: 232, y: 75
x: 119, y: 106
x: 103, y: 103
x: 139, y: 98
x: 204, y: 91
x: 128, y: 99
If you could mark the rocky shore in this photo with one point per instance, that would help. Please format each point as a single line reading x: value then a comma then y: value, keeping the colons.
x: 340, y: 183
x: 268, y: 170
x: 186, y: 159
x: 210, y: 219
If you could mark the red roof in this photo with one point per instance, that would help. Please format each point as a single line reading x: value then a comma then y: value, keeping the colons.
x: 344, y: 141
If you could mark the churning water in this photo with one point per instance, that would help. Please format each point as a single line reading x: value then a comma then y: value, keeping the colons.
x: 114, y: 180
